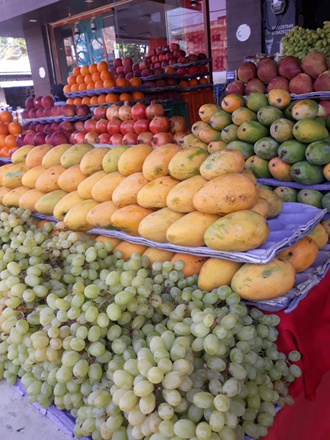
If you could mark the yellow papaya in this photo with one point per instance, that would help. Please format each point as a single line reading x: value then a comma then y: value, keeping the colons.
x: 100, y: 216
x: 103, y: 189
x: 92, y: 161
x: 127, y: 190
x: 53, y: 156
x: 13, y: 177
x: 12, y: 197
x: 156, y: 164
x: 85, y: 187
x: 74, y: 155
x: 154, y: 193
x: 131, y: 161
x: 31, y: 176
x: 70, y: 179
x: 65, y: 204
x: 76, y: 218
x: 180, y: 198
x: 128, y: 218
x: 47, y: 203
x: 29, y: 199
x: 155, y: 225
x: 48, y: 181
x: 217, y: 272
x: 36, y: 154
x: 110, y: 160
x: 19, y: 156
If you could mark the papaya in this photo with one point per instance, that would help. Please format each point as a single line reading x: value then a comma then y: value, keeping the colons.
x: 248, y: 174
x: 155, y: 225
x: 326, y: 171
x: 127, y: 190
x: 207, y: 111
x: 70, y: 179
x: 318, y: 153
x: 232, y: 102
x: 30, y: 178
x: 74, y: 155
x: 189, y: 230
x: 208, y: 135
x: 301, y: 255
x: 320, y: 236
x: 225, y: 194
x: 281, y: 130
x: 216, y: 146
x: 76, y: 218
x: 220, y: 120
x: 257, y: 282
x: 244, y: 147
x: 217, y: 272
x: 279, y: 98
x: 180, y: 197
x: 261, y: 207
x: 267, y: 115
x: 100, y: 215
x: 326, y: 201
x: 53, y: 156
x: 12, y: 178
x: 251, y: 131
x: 306, y: 108
x: 186, y: 163
x: 326, y: 225
x: 130, y: 248
x: 310, y: 197
x: 128, y: 218
x: 292, y: 151
x: 111, y: 159
x: 237, y: 232
x: 258, y: 167
x: 19, y: 155
x: 131, y: 161
x: 3, y: 192
x: 48, y: 181
x: 229, y: 134
x: 154, y: 255
x: 255, y: 101
x: 156, y: 163
x: 29, y: 199
x: 221, y: 162
x: 36, y: 154
x: 86, y: 186
x: 92, y: 160
x: 193, y: 263
x: 266, y: 148
x: 308, y: 131
x: 46, y: 204
x: 4, y: 169
x: 196, y: 128
x: 114, y: 241
x: 103, y: 189
x: 11, y: 198
x: 307, y: 174
x: 273, y: 200
x: 154, y: 193
x: 65, y: 204
x: 286, y: 194
x: 280, y: 170
x: 243, y: 114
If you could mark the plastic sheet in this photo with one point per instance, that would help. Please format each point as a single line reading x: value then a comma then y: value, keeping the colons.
x: 274, y: 182
x: 49, y: 120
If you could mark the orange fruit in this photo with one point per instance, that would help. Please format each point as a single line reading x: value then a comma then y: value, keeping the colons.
x: 203, y: 81
x: 80, y: 79
x: 74, y: 88
x: 82, y: 87
x: 69, y: 101
x: 137, y: 95
x: 105, y: 74
x: 96, y: 77
x: 71, y: 80
x: 88, y: 79
x: 2, y: 140
x: 101, y: 66
x: 77, y: 101
x: 84, y: 71
x: 90, y: 86
x: 108, y: 83
x: 10, y: 141
x: 67, y: 89
x: 86, y: 100
x: 15, y: 128
x: 76, y: 71
x: 5, y: 152
x: 135, y: 82
x: 99, y: 84
x: 111, y: 97
x: 169, y: 69
x: 125, y: 97
x: 3, y: 129
x: 93, y: 100
x: 121, y: 82
x: 193, y: 82
x: 101, y: 99
x: 6, y: 116
x: 184, y: 84
x: 92, y: 68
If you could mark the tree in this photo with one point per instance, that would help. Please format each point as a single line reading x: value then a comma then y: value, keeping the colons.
x: 12, y: 48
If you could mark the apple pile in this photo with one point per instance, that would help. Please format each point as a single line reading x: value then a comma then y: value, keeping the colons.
x: 312, y: 74
x: 43, y: 106
x: 126, y: 125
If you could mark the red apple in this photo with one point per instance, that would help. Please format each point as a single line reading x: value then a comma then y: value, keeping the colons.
x: 120, y: 70
x: 151, y: 52
x: 48, y: 129
x: 129, y: 75
x: 47, y: 101
x: 137, y: 73
x: 66, y: 127
x: 183, y: 60
x: 100, y: 113
x: 117, y: 62
x: 182, y: 71
x: 20, y: 140
x: 48, y: 111
x: 174, y: 46
x: 82, y: 110
x: 145, y: 72
x: 155, y: 59
x: 202, y: 68
x: 29, y: 138
x: 192, y: 70
x: 59, y: 138
x: 127, y: 69
x: 172, y: 61
x: 127, y: 61
x: 112, y: 70
x: 56, y: 111
x: 34, y: 126
x: 161, y: 57
x: 39, y: 139
x: 32, y: 113
x: 68, y: 110
x: 192, y: 57
x: 48, y: 139
x: 159, y: 50
x: 40, y: 112
x: 54, y: 127
x: 135, y: 67
x: 164, y: 63
x: 37, y: 102
x: 40, y: 128
x: 144, y: 65
x: 201, y: 56
x: 29, y: 103
x: 156, y: 65
x: 25, y: 114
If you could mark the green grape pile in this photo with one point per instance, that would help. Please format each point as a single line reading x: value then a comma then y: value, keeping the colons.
x: 133, y: 353
x: 300, y: 41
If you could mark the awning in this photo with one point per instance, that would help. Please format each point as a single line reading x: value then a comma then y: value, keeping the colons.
x: 8, y: 84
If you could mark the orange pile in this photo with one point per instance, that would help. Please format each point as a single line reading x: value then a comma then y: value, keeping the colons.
x: 9, y: 131
x: 193, y: 82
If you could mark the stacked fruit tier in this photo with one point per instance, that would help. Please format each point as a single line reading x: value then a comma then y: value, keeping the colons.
x: 105, y: 91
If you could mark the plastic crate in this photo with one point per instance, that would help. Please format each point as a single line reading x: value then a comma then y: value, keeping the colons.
x: 219, y: 93
x: 176, y: 108
x: 194, y: 101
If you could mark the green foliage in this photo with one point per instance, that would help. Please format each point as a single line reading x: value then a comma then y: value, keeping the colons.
x: 12, y: 48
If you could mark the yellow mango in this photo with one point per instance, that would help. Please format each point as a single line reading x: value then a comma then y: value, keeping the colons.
x: 110, y: 160
x: 128, y: 218
x: 47, y: 203
x: 130, y: 248
x: 100, y: 216
x: 319, y: 235
x: 36, y: 155
x: 154, y: 193
x: 65, y: 204
x: 186, y: 163
x: 29, y: 199
x: 217, y: 272
x: 76, y: 218
x: 85, y: 187
x: 13, y: 176
x: 127, y: 190
x: 3, y: 192
x: 12, y: 197
x: 4, y: 169
x: 102, y: 191
x: 19, y: 155
x: 30, y: 177
x: 48, y: 181
x: 156, y: 164
x: 74, y: 155
x: 274, y: 201
x: 70, y: 179
x: 221, y: 162
x: 261, y: 207
x: 180, y: 198
x: 155, y: 225
x: 92, y: 161
x: 131, y: 161
x: 53, y: 157
x: 193, y: 263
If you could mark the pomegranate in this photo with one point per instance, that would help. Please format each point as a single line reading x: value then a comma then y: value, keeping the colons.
x: 92, y: 137
x: 25, y: 114
x: 138, y: 111
x: 54, y: 127
x: 48, y: 139
x: 66, y: 126
x: 127, y: 127
x: 178, y: 137
x: 72, y: 138
x: 116, y: 139
x: 159, y: 124
x: 154, y: 110
x: 130, y: 139
x: 47, y: 112
x: 29, y: 138
x: 125, y: 112
x: 29, y: 103
x: 145, y: 138
x: 80, y: 137
x: 174, y: 46
x: 160, y: 139
x: 104, y: 138
x: 56, y: 110
x: 82, y: 110
x: 100, y: 112
x: 141, y: 126
x: 90, y: 125
x: 101, y: 126
x: 112, y: 112
x: 58, y: 138
x: 40, y: 128
x: 113, y: 126
x: 33, y: 113
x: 177, y: 124
x: 47, y: 101
x: 79, y: 126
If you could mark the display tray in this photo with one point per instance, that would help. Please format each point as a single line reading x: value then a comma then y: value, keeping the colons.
x: 294, y: 222
x: 161, y: 76
x: 162, y: 89
x: 104, y: 91
x: 192, y: 63
x: 274, y: 182
x: 5, y: 159
x: 49, y: 120
x: 195, y: 75
x: 195, y: 88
